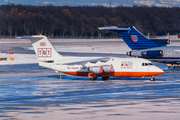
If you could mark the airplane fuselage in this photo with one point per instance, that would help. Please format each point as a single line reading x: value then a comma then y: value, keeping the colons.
x: 122, y: 67
x: 170, y: 54
x: 92, y: 67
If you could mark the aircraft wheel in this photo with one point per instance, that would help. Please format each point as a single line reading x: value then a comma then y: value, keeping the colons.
x: 169, y: 67
x: 93, y: 79
x: 105, y: 78
x: 175, y: 66
x: 152, y: 79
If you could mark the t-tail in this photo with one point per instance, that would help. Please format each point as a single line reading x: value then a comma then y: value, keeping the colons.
x: 135, y: 39
x: 45, y: 52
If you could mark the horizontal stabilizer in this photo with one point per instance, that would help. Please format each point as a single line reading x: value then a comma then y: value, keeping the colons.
x: 114, y: 28
x: 31, y: 37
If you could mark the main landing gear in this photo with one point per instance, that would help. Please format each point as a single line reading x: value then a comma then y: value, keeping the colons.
x: 152, y: 78
x: 105, y: 78
x: 94, y: 77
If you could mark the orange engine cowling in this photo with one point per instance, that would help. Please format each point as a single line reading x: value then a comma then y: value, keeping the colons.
x: 96, y: 69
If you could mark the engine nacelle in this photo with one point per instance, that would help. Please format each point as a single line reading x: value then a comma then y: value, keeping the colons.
x: 108, y: 68
x: 134, y: 53
x: 152, y: 53
x: 129, y: 53
x: 101, y: 69
x: 161, y: 42
x: 96, y: 69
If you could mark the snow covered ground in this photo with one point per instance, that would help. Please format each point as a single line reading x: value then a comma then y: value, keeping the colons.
x: 32, y: 92
x: 18, y: 58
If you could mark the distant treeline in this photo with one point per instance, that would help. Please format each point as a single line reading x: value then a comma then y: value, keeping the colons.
x: 84, y: 21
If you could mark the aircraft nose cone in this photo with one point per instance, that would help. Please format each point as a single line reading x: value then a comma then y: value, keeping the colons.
x: 156, y: 70
x: 159, y: 71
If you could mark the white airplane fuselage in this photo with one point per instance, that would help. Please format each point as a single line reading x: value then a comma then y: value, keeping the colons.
x: 122, y: 67
x: 91, y: 67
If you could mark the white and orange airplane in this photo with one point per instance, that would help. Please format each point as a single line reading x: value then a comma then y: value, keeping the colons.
x: 92, y: 67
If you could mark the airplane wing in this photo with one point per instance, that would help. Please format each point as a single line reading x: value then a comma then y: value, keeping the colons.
x: 82, y: 62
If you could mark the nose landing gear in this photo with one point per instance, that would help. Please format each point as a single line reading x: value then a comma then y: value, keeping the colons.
x: 152, y: 78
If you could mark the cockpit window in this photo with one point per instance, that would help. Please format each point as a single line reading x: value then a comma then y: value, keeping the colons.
x: 146, y: 64
x: 150, y: 64
x: 142, y: 64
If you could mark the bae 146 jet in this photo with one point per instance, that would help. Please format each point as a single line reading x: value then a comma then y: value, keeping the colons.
x: 156, y: 50
x: 92, y: 67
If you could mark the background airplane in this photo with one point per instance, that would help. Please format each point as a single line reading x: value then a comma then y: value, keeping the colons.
x: 156, y: 50
x: 92, y: 67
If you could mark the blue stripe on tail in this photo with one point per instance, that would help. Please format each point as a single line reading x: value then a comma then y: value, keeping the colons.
x: 134, y: 39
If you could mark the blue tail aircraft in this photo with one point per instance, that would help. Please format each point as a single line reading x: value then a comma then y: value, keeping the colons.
x: 157, y: 50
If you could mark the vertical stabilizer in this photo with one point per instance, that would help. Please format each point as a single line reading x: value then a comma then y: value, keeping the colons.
x: 43, y: 48
x: 132, y: 37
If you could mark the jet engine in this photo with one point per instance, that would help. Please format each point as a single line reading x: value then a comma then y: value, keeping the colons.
x: 101, y: 69
x: 96, y: 69
x: 129, y: 53
x: 152, y: 53
x: 134, y: 53
x: 148, y: 53
x: 108, y: 68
